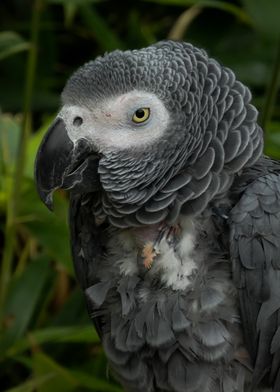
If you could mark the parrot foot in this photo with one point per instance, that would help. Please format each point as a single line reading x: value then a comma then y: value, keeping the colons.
x: 152, y: 249
x: 149, y: 253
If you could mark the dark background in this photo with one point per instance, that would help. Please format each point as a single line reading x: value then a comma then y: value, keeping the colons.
x: 46, y: 341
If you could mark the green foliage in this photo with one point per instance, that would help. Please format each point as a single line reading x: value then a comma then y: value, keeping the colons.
x: 265, y: 16
x: 11, y: 43
x: 46, y: 340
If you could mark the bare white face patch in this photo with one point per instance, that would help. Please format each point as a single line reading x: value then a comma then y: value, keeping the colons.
x: 110, y: 126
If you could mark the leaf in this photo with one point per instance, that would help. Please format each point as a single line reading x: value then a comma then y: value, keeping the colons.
x: 11, y: 43
x: 32, y: 384
x: 73, y: 311
x: 183, y: 22
x: 265, y: 16
x: 94, y: 383
x: 73, y: 334
x: 63, y: 379
x: 71, y: 7
x: 70, y: 11
x: 107, y: 38
x: 9, y: 139
x: 49, y: 229
x: 23, y: 299
x: 33, y: 145
x: 88, y: 378
x: 74, y: 2
x: 274, y: 129
x: 221, y: 5
x: 272, y: 140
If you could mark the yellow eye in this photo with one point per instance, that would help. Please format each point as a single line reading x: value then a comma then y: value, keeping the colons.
x: 141, y: 115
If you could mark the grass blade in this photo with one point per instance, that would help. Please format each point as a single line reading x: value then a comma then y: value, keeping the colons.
x: 220, y: 5
x: 24, y: 297
x: 11, y: 43
x: 32, y: 384
x: 183, y: 22
x: 107, y: 39
x: 73, y: 334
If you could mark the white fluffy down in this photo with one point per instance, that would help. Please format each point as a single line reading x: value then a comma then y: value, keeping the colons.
x: 173, y: 267
x: 176, y: 267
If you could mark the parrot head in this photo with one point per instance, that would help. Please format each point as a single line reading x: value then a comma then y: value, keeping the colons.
x: 152, y: 132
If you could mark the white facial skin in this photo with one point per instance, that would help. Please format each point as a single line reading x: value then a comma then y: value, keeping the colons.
x: 109, y: 126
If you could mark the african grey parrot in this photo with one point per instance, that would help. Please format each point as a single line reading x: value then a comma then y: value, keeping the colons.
x: 174, y: 217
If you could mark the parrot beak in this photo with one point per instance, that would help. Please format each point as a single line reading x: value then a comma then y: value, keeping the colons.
x: 62, y: 165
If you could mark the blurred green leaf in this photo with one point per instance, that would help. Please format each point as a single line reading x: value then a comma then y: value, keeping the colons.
x: 183, y: 22
x: 32, y: 384
x: 74, y: 2
x: 220, y: 5
x: 274, y: 128
x: 265, y: 15
x: 9, y: 138
x: 67, y: 380
x: 63, y: 379
x: 71, y: 8
x: 272, y: 140
x: 49, y: 229
x: 33, y: 145
x: 94, y: 383
x: 107, y: 38
x: 70, y: 11
x: 23, y: 300
x: 11, y: 43
x: 73, y: 334
x: 73, y: 311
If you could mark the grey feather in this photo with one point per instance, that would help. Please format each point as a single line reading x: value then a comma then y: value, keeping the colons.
x: 204, y: 164
x: 216, y: 113
x: 255, y: 244
x: 98, y: 292
x: 149, y: 218
x: 177, y: 182
x: 212, y: 291
x: 154, y: 206
x: 275, y: 343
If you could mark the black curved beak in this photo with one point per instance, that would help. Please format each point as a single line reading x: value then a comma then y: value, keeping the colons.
x: 61, y: 164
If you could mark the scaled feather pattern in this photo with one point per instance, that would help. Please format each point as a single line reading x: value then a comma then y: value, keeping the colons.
x: 175, y: 222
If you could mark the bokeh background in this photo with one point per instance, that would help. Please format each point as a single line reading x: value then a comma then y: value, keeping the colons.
x: 46, y: 340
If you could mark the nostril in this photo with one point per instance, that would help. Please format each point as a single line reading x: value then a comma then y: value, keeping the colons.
x: 77, y: 121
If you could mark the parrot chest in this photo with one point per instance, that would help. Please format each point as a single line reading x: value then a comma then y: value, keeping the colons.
x: 176, y: 316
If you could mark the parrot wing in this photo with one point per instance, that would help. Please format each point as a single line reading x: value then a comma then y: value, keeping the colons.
x: 255, y: 253
x: 86, y: 245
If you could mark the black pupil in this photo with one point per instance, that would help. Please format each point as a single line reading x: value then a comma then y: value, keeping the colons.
x: 140, y: 113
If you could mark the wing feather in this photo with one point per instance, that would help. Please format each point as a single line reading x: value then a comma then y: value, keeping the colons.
x: 255, y: 253
x: 86, y: 247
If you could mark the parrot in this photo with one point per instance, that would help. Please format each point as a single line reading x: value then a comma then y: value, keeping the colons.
x: 174, y: 217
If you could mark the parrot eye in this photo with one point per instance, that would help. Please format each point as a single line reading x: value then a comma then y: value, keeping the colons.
x: 141, y: 115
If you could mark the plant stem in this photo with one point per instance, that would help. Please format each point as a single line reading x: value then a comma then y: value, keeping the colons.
x: 16, y: 185
x: 181, y: 25
x: 271, y: 92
